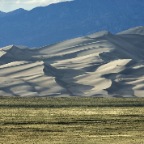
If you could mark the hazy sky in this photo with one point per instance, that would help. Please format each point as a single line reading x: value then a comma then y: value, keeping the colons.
x: 9, y: 5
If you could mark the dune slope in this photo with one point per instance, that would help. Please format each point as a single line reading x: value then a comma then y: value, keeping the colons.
x: 100, y: 64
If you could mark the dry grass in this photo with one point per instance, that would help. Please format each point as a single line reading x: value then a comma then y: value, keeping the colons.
x: 71, y: 121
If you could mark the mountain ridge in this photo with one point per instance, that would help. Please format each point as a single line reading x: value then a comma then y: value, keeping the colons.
x: 66, y: 20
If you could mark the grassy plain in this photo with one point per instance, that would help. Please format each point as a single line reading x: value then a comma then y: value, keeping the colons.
x: 71, y: 120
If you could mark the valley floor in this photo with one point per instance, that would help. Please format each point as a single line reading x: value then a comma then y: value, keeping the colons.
x: 71, y: 120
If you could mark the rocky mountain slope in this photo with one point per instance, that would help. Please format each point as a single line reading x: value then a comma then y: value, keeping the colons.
x: 66, y: 20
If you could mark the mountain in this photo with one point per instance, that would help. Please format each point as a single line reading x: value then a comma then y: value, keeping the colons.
x: 101, y: 64
x: 66, y: 20
x: 2, y: 14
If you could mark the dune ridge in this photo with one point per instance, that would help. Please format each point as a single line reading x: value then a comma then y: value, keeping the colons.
x: 101, y: 64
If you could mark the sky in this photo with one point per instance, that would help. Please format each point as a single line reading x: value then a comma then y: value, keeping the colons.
x: 10, y: 5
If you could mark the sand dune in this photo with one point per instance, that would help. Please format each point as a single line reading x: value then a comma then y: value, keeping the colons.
x: 138, y: 30
x: 101, y: 64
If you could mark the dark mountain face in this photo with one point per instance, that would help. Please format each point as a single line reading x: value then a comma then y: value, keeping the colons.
x: 2, y: 14
x: 61, y: 21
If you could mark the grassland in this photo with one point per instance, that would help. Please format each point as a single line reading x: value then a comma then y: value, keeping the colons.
x: 71, y: 120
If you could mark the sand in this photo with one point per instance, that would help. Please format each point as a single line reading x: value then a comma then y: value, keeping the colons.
x: 101, y: 64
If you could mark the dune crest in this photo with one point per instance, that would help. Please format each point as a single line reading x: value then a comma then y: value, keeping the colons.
x: 100, y: 64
